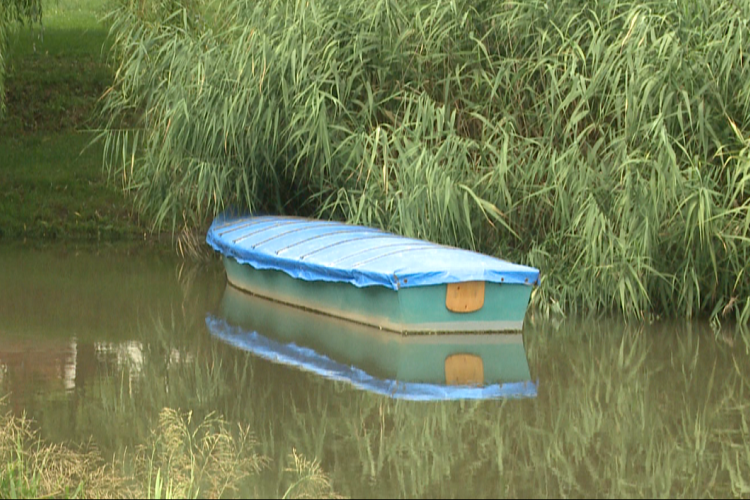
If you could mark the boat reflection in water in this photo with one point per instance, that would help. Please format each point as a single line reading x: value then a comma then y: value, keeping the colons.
x: 416, y: 367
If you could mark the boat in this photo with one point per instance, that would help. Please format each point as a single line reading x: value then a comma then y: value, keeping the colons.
x: 370, y: 276
x: 403, y: 286
x: 399, y: 366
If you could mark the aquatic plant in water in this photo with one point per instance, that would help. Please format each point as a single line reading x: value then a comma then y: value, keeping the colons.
x: 186, y: 461
x: 30, y: 468
x: 180, y: 460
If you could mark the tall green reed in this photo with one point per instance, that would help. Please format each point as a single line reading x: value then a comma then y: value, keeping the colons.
x: 605, y: 142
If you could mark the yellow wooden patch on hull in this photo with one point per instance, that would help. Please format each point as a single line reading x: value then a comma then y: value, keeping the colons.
x: 465, y: 297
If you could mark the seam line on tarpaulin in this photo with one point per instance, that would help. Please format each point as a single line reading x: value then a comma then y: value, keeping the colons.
x: 310, y: 360
x: 324, y: 235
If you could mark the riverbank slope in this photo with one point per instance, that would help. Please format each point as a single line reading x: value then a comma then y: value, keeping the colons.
x: 53, y: 185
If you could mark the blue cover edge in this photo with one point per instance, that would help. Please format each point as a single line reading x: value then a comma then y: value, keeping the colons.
x: 360, y: 278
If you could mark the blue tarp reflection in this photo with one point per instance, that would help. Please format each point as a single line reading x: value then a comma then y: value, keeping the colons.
x: 310, y: 360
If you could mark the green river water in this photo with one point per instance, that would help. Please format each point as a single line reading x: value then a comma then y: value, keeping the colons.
x: 96, y: 341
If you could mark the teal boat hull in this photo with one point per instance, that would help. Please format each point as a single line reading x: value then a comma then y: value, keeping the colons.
x: 416, y: 310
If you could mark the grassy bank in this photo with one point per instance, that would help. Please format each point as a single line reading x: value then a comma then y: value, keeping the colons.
x: 605, y: 143
x: 53, y: 185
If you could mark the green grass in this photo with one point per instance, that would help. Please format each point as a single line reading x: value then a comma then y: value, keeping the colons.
x: 53, y: 187
x: 56, y: 72
x: 53, y: 184
x: 53, y: 94
x: 70, y: 28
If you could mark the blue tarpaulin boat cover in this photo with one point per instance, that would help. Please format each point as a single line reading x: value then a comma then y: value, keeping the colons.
x: 316, y: 250
x: 309, y: 360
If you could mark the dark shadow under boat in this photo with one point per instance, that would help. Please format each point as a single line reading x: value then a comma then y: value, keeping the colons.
x: 414, y: 367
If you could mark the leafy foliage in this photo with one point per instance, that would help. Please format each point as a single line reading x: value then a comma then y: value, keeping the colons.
x: 603, y: 142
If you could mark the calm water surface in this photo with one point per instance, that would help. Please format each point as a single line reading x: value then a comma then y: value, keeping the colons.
x: 95, y: 341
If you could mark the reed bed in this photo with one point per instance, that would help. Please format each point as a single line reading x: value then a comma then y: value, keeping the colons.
x: 604, y: 142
